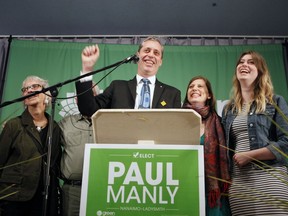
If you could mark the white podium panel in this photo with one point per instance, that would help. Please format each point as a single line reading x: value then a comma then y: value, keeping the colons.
x: 157, y: 126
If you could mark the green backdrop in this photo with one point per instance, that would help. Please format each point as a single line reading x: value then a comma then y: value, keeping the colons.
x: 59, y: 61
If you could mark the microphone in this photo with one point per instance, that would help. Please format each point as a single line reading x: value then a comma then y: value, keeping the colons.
x: 132, y: 59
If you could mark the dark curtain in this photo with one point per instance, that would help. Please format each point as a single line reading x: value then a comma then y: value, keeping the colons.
x: 4, y: 51
x: 285, y: 56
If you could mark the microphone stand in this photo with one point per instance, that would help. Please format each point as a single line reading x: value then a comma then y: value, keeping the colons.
x: 131, y: 58
x: 54, y: 93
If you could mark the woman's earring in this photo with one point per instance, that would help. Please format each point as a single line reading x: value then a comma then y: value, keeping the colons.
x: 46, y: 101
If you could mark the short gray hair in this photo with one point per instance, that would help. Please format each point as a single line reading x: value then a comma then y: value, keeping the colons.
x: 41, y: 82
x: 152, y: 38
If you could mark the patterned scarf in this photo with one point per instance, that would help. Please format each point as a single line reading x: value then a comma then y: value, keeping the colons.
x: 215, y: 156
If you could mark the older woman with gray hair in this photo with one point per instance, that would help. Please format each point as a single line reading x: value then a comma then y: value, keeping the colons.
x: 23, y: 157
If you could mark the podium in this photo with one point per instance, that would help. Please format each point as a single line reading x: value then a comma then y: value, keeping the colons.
x: 144, y: 162
x: 157, y: 126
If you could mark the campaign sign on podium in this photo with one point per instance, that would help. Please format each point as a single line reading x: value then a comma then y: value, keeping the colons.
x: 143, y: 179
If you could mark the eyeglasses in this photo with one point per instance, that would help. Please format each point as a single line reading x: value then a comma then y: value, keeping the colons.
x: 33, y: 87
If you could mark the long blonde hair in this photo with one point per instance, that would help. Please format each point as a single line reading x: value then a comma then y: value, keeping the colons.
x: 263, y: 87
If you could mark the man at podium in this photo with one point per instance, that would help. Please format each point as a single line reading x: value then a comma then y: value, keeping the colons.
x: 122, y: 94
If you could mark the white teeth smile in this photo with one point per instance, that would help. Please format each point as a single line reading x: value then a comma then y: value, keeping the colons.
x: 149, y: 62
x: 244, y: 71
x: 195, y: 94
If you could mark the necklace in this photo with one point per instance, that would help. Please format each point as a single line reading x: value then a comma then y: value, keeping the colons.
x: 39, y: 128
x: 40, y: 124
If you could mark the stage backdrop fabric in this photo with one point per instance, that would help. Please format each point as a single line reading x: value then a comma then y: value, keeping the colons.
x: 60, y: 61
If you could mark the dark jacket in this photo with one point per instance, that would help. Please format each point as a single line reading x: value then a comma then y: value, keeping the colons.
x: 121, y: 94
x: 18, y: 144
x: 262, y: 131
